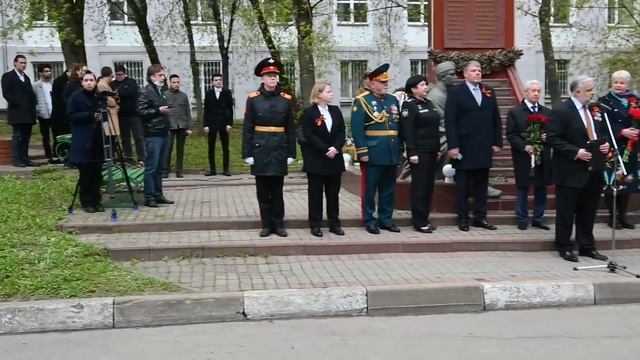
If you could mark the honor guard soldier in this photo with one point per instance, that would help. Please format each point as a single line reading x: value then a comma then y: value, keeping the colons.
x: 375, y: 128
x: 268, y: 143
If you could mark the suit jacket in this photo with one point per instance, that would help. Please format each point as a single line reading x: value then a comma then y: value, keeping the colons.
x: 567, y: 134
x: 20, y: 98
x: 218, y: 112
x: 472, y: 128
x: 318, y: 140
x: 59, y: 110
x: 517, y: 123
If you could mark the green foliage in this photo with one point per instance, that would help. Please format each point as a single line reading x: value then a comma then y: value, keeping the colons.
x: 491, y: 61
x: 37, y: 261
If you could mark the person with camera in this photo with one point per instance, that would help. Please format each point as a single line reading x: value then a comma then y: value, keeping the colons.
x: 153, y: 109
x: 86, y: 142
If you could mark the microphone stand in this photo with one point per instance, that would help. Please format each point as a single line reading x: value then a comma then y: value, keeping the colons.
x: 612, y: 184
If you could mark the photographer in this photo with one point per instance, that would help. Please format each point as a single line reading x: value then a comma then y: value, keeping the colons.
x: 86, y: 142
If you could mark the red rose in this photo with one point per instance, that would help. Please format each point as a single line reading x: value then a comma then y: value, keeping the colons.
x: 634, y: 112
x: 537, y: 118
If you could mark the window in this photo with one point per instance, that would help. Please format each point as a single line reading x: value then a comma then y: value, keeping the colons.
x: 351, y: 73
x: 560, y: 11
x: 620, y: 12
x: 562, y: 69
x: 207, y: 69
x: 118, y: 12
x: 201, y: 11
x: 352, y: 11
x: 57, y: 68
x: 135, y: 70
x: 419, y: 11
x: 419, y: 67
x: 289, y: 69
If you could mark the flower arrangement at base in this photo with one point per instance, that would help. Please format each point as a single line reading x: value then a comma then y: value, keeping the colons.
x: 533, y: 135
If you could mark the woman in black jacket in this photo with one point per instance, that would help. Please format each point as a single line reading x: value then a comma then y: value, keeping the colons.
x: 324, y: 135
x: 86, y: 143
x: 420, y: 122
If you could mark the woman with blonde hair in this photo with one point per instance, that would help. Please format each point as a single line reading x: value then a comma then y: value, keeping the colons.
x: 324, y: 133
x: 623, y: 113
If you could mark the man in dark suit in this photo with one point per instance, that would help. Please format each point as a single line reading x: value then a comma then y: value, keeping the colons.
x: 522, y: 151
x: 572, y: 129
x: 21, y: 112
x: 218, y: 119
x: 474, y: 130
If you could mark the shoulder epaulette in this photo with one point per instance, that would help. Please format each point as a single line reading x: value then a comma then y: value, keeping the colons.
x: 286, y: 96
x: 363, y: 94
x: 254, y: 94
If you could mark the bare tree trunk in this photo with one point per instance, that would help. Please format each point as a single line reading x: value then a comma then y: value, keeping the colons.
x: 304, y: 26
x: 223, y: 45
x: 544, y: 19
x: 193, y: 62
x: 138, y: 8
x: 71, y: 31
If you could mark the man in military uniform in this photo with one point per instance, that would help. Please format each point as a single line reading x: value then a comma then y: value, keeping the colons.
x: 375, y: 128
x: 268, y: 143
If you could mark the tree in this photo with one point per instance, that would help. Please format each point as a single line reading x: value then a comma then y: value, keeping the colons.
x: 138, y: 11
x: 544, y: 20
x: 224, y: 40
x: 193, y: 62
x: 306, y: 62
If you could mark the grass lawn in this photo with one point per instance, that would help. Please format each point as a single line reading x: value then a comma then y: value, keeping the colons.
x: 39, y: 262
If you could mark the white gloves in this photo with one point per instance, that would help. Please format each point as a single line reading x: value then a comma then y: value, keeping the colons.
x: 289, y: 161
x: 249, y: 161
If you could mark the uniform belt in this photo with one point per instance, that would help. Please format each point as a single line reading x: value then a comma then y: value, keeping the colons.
x: 269, y: 129
x: 381, y: 132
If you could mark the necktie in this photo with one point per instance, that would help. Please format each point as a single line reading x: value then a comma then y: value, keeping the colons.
x: 588, y: 121
x: 534, y: 108
x: 477, y: 95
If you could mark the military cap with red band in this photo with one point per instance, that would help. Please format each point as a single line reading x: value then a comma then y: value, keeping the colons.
x: 268, y: 66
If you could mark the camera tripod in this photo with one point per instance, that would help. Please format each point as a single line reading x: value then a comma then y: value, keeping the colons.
x: 612, y: 185
x: 112, y: 152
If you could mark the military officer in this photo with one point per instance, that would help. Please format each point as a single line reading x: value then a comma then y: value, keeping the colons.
x: 268, y: 143
x: 375, y: 129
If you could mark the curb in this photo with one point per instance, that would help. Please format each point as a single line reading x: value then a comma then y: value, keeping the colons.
x: 419, y: 299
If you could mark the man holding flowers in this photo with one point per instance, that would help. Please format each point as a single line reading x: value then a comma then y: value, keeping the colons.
x: 531, y: 154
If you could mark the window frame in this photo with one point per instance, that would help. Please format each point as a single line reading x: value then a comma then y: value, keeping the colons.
x: 423, y: 64
x: 352, y: 12
x: 353, y: 82
x: 57, y: 68
x: 133, y: 70
x: 552, y: 19
x: 616, y: 10
x: 205, y: 75
x: 563, y: 79
x: 423, y: 4
x: 126, y: 20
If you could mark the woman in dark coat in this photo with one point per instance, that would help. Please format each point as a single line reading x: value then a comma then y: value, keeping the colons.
x: 420, y: 122
x: 86, y: 143
x: 623, y: 104
x: 324, y: 135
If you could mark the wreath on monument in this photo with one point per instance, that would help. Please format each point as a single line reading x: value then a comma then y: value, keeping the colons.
x: 491, y: 61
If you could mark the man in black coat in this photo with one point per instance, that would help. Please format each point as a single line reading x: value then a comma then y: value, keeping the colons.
x: 130, y: 123
x: 573, y: 129
x: 218, y: 119
x: 21, y: 112
x: 59, y: 122
x: 269, y: 144
x: 522, y: 151
x: 474, y: 134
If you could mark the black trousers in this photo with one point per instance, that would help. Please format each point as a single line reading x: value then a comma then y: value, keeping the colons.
x: 579, y: 205
x: 622, y: 204
x: 89, y: 183
x: 224, y: 140
x: 468, y: 181
x: 423, y: 176
x: 328, y: 185
x: 269, y: 189
x: 179, y: 136
x: 46, y: 130
x: 131, y: 125
x: 20, y: 136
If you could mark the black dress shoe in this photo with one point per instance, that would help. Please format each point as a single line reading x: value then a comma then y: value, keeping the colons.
x: 569, y: 256
x: 151, y: 203
x: 316, y: 232
x: 19, y: 164
x: 427, y: 229
x: 31, y: 164
x: 210, y: 173
x: 594, y: 254
x: 265, y: 232
x: 391, y: 228
x: 539, y: 225
x: 463, y: 227
x: 523, y: 226
x: 618, y: 224
x: 226, y: 173
x: 89, y: 209
x: 337, y: 230
x: 484, y: 224
x: 100, y: 208
x: 372, y: 229
x: 627, y: 225
x: 281, y: 232
x: 164, y: 200
x: 179, y: 175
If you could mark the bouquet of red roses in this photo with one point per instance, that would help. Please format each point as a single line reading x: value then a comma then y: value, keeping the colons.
x: 533, y: 135
x: 634, y: 114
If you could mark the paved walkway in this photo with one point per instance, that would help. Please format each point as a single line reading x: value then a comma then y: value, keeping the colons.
x: 297, y: 272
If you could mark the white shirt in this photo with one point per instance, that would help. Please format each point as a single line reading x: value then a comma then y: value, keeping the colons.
x: 530, y: 105
x: 20, y: 75
x: 580, y: 107
x: 475, y: 91
x: 218, y: 91
x: 328, y: 121
x: 47, y: 87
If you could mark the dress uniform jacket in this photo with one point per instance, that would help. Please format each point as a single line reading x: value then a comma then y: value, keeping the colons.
x: 375, y: 128
x: 269, y: 134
